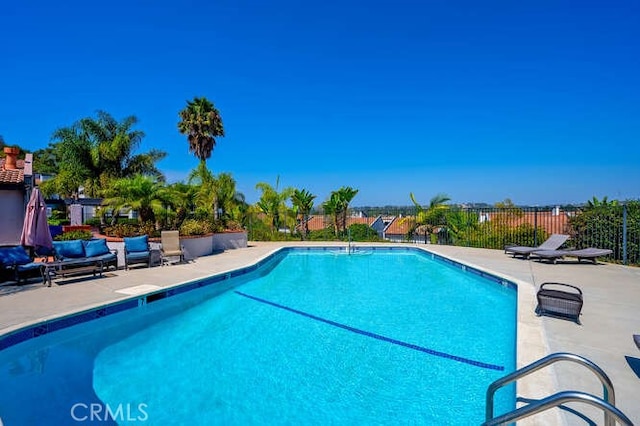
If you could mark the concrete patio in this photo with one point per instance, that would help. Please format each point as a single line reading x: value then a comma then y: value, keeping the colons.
x: 609, y: 317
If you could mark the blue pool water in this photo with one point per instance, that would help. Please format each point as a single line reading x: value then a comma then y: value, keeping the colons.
x: 313, y: 337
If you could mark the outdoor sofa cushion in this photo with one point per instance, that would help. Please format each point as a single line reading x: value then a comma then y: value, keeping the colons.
x: 96, y: 247
x: 72, y: 249
x: 11, y: 256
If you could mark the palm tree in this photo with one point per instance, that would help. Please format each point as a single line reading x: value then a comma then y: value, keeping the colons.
x: 338, y: 206
x: 202, y: 123
x: 141, y: 193
x: 228, y: 199
x: 205, y: 196
x: 303, y: 201
x: 345, y: 195
x: 272, y: 202
x: 95, y: 151
x: 332, y: 207
x: 180, y: 197
x: 431, y: 216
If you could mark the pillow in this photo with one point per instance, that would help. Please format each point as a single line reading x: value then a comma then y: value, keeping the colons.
x: 133, y: 244
x: 96, y: 247
x: 70, y: 249
x: 14, y: 256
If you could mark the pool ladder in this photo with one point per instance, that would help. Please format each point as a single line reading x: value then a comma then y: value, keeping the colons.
x: 606, y: 403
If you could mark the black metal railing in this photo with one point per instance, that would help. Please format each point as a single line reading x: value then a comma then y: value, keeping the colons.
x: 614, y: 226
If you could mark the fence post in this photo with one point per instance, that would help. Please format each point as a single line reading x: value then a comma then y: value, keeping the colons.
x: 624, y: 233
x: 535, y: 226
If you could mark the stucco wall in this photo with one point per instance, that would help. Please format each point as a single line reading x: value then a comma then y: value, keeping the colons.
x: 195, y: 247
x: 11, y: 216
x: 229, y: 240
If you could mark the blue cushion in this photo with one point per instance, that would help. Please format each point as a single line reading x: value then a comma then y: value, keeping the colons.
x: 95, y: 247
x: 30, y: 266
x: 134, y: 244
x: 69, y: 249
x: 14, y: 256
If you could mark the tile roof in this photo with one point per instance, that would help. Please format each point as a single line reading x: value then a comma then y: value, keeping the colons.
x: 552, y: 223
x: 319, y: 222
x: 12, y: 177
x: 400, y: 226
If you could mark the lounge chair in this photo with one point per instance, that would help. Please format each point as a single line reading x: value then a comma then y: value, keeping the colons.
x: 552, y: 243
x: 136, y: 250
x: 171, y: 246
x: 590, y: 253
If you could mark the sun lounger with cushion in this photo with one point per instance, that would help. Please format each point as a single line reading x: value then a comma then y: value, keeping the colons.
x: 590, y: 253
x: 552, y: 243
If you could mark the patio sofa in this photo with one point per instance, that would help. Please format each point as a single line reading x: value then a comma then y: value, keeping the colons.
x: 87, y: 252
x: 16, y: 264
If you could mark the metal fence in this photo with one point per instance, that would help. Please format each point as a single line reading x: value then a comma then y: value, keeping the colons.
x: 613, y: 226
x: 610, y: 226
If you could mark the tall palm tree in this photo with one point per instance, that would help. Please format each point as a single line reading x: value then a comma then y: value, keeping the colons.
x: 303, y: 201
x: 202, y: 123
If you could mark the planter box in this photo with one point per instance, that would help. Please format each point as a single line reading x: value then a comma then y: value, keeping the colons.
x: 195, y: 246
x: 69, y: 228
x: 229, y: 241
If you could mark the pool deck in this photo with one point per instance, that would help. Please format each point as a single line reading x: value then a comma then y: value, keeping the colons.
x: 610, y: 316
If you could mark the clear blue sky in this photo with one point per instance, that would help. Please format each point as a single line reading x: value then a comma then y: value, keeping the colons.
x: 537, y: 101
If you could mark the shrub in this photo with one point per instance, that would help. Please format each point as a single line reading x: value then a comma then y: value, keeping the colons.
x: 326, y: 234
x: 362, y: 232
x: 121, y: 230
x: 74, y: 235
x: 195, y: 227
x: 94, y: 221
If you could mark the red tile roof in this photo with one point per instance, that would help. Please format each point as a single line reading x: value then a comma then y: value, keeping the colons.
x: 12, y: 177
x: 319, y: 222
x: 400, y: 226
x: 547, y: 220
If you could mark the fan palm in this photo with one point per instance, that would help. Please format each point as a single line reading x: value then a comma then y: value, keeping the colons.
x: 202, y: 123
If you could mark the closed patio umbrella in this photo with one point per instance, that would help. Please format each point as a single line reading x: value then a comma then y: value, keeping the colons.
x: 35, y: 230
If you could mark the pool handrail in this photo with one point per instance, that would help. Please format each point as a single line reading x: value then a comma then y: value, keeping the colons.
x: 608, y: 391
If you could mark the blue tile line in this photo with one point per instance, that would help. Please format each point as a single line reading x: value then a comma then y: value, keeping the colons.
x: 377, y: 336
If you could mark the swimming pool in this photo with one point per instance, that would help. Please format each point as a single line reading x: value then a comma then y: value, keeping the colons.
x: 310, y: 336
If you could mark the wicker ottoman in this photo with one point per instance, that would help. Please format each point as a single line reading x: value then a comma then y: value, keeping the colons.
x: 560, y: 300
